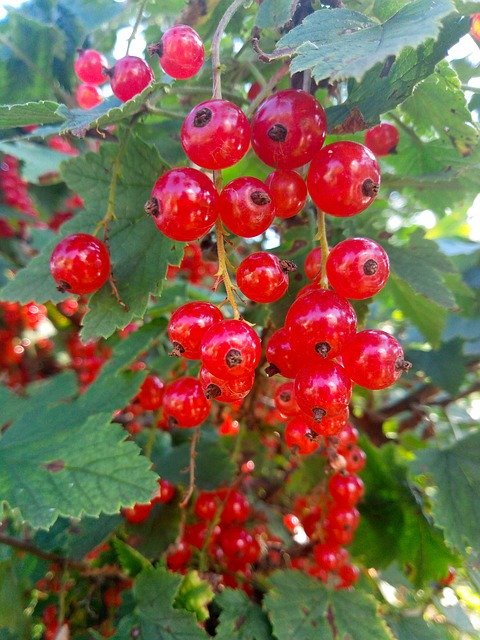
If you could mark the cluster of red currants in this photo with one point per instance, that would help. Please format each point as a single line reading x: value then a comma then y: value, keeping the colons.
x: 14, y: 193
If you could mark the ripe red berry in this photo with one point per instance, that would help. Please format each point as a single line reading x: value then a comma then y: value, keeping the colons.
x: 254, y: 90
x: 281, y: 356
x: 164, y: 493
x: 340, y: 524
x: 231, y: 390
x: 313, y: 263
x: 284, y: 399
x: 332, y: 425
x: 138, y: 513
x: 246, y: 207
x: 288, y: 191
x: 89, y: 66
x: 187, y: 325
x: 374, y: 359
x: 357, y: 268
x: 288, y: 128
x: 129, y: 77
x: 230, y: 349
x: 183, y: 204
x: 178, y: 557
x: 151, y: 393
x: 329, y: 557
x: 346, y: 490
x: 320, y: 323
x: 349, y: 575
x: 206, y: 505
x: 263, y: 277
x: 323, y: 388
x: 87, y: 96
x: 344, y: 178
x: 382, y: 139
x: 181, y: 52
x: 80, y: 264
x: 236, y: 507
x: 239, y: 546
x: 299, y: 433
x: 355, y: 459
x: 215, y: 134
x: 184, y: 403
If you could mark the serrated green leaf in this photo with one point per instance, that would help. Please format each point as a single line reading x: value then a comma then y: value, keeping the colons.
x: 446, y: 366
x: 130, y: 559
x: 451, y: 120
x: 274, y: 13
x: 455, y: 472
x: 339, y: 44
x: 241, y: 619
x: 194, y: 594
x: 409, y: 628
x: 19, y: 115
x: 356, y: 615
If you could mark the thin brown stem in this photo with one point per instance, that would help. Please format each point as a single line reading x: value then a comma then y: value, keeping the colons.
x: 217, y: 36
x: 138, y: 20
x: 193, y: 454
x: 322, y: 237
x: 222, y: 273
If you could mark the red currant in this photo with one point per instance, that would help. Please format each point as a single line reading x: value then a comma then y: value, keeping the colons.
x: 344, y: 178
x: 178, y: 557
x: 184, y: 403
x: 288, y: 191
x: 374, y: 359
x: 330, y: 557
x: 230, y: 349
x: 320, y: 323
x: 355, y: 459
x: 239, y: 546
x: 164, y: 493
x: 138, y: 513
x: 346, y: 490
x: 206, y: 505
x: 181, y: 52
x: 89, y: 66
x: 183, y: 204
x: 231, y: 390
x: 281, y: 356
x: 187, y: 326
x: 333, y: 424
x: 299, y: 433
x: 288, y: 128
x: 246, y: 207
x: 340, y: 524
x: 215, y: 134
x: 87, y: 96
x: 357, y: 268
x: 263, y: 277
x: 349, y: 575
x: 284, y: 399
x: 129, y: 77
x: 323, y: 388
x: 236, y: 507
x: 313, y: 263
x: 382, y: 139
x: 80, y: 264
x: 151, y: 392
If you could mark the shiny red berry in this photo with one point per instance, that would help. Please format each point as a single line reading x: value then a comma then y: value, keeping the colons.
x: 246, y: 207
x: 288, y: 191
x: 129, y: 77
x: 340, y: 524
x: 236, y: 507
x: 344, y: 178
x: 187, y: 325
x: 215, y: 134
x: 181, y: 52
x: 281, y: 356
x: 151, y: 393
x: 138, y: 513
x: 80, y: 264
x: 322, y: 388
x: 346, y: 490
x: 313, y: 263
x: 320, y: 323
x: 184, y: 403
x: 355, y: 460
x: 230, y: 349
x: 357, y: 268
x: 330, y: 557
x: 178, y: 557
x: 349, y: 575
x: 87, y: 96
x: 89, y: 66
x: 183, y: 204
x: 382, y: 139
x: 262, y: 277
x: 374, y: 359
x: 332, y: 425
x: 284, y: 399
x: 231, y: 390
x: 298, y: 433
x: 288, y: 128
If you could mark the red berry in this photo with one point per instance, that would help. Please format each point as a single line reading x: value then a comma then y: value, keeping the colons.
x: 344, y: 178
x: 165, y: 492
x: 263, y: 277
x: 382, y: 139
x: 347, y: 438
x: 254, y: 90
x: 299, y: 433
x: 151, y: 392
x: 184, y: 403
x: 206, y: 505
x: 215, y: 134
x: 323, y: 388
x: 291, y: 522
x: 320, y: 323
x: 230, y: 349
x: 281, y: 356
x: 357, y: 268
x: 475, y: 26
x: 330, y: 557
x: 349, y: 575
x: 346, y: 490
x: 181, y: 52
x: 284, y: 399
x: 340, y: 524
x: 231, y: 390
x: 239, y: 546
x: 288, y: 128
x: 332, y: 425
x: 87, y: 96
x: 89, y: 66
x: 288, y: 191
x: 183, y: 204
x: 236, y: 507
x: 374, y: 359
x: 313, y: 263
x: 138, y: 513
x: 80, y: 264
x: 246, y: 207
x: 187, y: 326
x: 355, y: 459
x: 178, y: 557
x: 129, y: 77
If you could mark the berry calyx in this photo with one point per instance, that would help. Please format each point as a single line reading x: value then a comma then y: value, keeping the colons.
x: 80, y: 264
x: 90, y: 66
x: 129, y: 77
x: 382, y: 139
x: 181, y: 52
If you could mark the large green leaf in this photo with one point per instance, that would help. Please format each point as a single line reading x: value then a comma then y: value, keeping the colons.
x: 315, y: 612
x: 241, y: 619
x: 274, y: 13
x: 339, y: 44
x: 455, y: 473
x: 18, y: 115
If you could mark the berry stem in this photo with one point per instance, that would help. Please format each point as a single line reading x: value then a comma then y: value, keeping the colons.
x: 193, y: 454
x: 138, y: 19
x: 222, y: 273
x: 217, y: 36
x: 322, y: 236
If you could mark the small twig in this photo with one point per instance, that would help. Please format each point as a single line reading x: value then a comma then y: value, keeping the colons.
x: 193, y: 454
x: 217, y: 36
x: 222, y: 273
x: 263, y: 56
x: 138, y: 20
x: 322, y: 236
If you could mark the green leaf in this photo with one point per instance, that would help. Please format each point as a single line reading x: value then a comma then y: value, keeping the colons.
x: 410, y: 628
x: 130, y: 559
x: 467, y: 7
x: 241, y: 619
x: 451, y: 120
x: 38, y: 160
x: 339, y: 44
x: 455, y: 473
x: 155, y: 592
x: 300, y: 607
x: 445, y: 366
x: 11, y: 600
x: 93, y: 13
x: 19, y: 115
x: 194, y: 594
x: 274, y: 13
